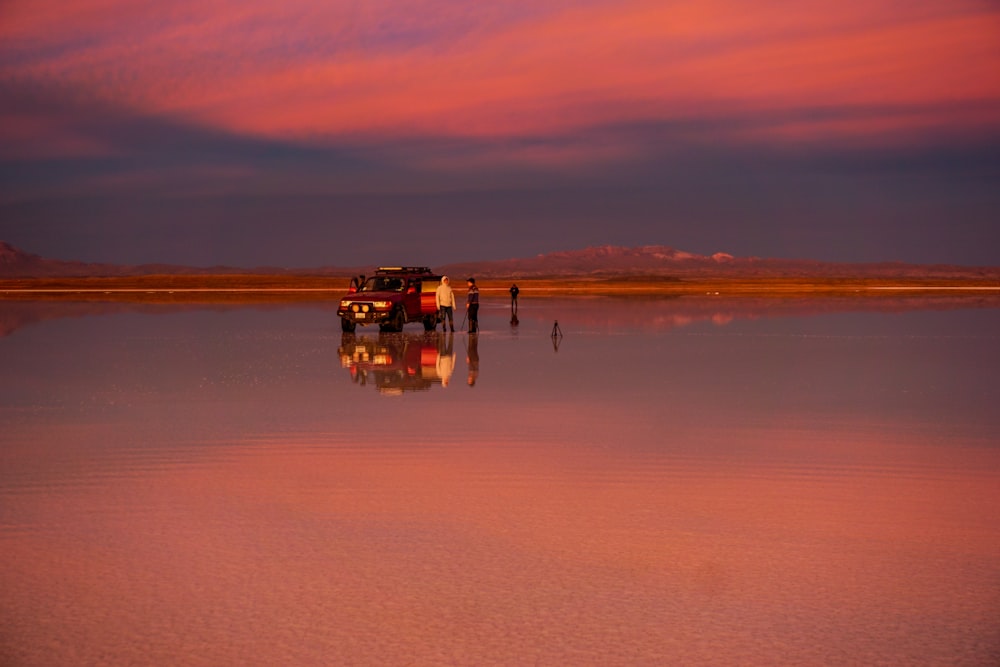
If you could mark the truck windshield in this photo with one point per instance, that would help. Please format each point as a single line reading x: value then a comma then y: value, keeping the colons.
x: 382, y: 284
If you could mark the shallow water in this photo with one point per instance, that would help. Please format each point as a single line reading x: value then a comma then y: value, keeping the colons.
x: 669, y: 482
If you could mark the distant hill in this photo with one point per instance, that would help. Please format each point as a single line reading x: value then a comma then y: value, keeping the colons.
x: 603, y: 261
x: 16, y: 263
x: 663, y: 261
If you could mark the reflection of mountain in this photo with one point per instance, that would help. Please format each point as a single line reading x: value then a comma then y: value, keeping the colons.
x: 633, y: 313
x: 657, y: 313
x: 399, y: 362
x: 17, y: 314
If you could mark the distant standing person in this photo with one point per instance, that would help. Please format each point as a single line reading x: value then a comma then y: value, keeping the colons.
x: 472, y: 306
x: 513, y: 299
x: 444, y: 299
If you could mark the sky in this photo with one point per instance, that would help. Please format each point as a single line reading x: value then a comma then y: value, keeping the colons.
x: 303, y: 133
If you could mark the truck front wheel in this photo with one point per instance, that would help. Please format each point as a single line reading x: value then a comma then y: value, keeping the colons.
x: 398, y: 320
x: 394, y: 323
x: 347, y: 326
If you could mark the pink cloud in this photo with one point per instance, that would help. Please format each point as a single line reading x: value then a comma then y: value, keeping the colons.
x: 316, y: 71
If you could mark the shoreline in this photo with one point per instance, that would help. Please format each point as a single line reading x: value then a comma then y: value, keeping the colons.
x: 271, y: 288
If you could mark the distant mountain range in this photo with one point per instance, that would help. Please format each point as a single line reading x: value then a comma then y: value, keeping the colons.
x: 663, y: 261
x: 603, y: 261
x: 16, y: 263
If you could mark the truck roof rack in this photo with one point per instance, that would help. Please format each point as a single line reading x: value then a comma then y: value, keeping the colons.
x: 402, y: 269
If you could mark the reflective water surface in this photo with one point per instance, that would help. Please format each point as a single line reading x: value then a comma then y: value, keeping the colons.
x: 668, y: 482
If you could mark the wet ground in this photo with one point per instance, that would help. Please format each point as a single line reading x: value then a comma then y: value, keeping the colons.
x: 667, y: 482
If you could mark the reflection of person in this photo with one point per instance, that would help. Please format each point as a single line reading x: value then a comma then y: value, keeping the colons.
x: 444, y: 299
x: 513, y: 305
x: 472, y: 360
x: 446, y: 359
x: 472, y: 306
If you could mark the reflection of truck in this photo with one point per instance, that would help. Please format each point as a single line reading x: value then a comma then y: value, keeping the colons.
x: 394, y: 364
x: 391, y: 298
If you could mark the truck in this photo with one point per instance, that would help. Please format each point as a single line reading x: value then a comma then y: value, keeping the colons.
x: 392, y: 298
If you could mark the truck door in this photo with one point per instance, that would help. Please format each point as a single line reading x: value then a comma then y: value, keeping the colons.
x: 411, y: 299
x: 428, y: 300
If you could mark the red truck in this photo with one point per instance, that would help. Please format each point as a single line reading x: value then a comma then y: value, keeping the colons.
x: 391, y: 298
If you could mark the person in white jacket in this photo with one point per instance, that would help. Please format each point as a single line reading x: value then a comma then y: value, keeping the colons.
x: 444, y: 299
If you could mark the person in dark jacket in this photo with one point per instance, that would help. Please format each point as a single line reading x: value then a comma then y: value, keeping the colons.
x: 472, y: 306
